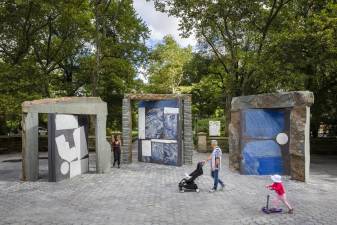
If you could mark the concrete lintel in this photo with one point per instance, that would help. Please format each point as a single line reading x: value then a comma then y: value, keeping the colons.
x: 67, y: 105
x: 273, y: 100
x: 156, y: 96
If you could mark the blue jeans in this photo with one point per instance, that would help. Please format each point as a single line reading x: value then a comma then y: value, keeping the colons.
x: 215, y: 175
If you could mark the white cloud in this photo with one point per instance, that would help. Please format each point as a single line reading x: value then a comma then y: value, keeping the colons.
x: 160, y: 24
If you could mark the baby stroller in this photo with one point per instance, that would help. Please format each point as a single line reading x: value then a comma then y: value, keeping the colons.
x: 187, y: 184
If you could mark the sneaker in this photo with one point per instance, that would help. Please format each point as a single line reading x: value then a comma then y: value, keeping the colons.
x: 291, y: 211
x: 212, y: 190
x: 222, y: 186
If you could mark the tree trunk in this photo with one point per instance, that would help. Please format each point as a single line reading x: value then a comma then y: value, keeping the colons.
x: 98, y: 52
x: 228, y: 100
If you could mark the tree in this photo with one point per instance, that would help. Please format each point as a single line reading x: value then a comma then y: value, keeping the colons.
x: 166, y: 64
x: 308, y: 51
x: 48, y: 49
x: 46, y: 33
x: 266, y: 46
x: 35, y: 37
x: 122, y: 51
x: 236, y: 32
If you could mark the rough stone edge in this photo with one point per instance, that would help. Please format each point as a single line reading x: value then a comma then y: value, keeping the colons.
x: 273, y: 100
x: 155, y: 96
x: 234, y: 141
x: 126, y: 131
x: 188, y: 133
x: 299, y: 146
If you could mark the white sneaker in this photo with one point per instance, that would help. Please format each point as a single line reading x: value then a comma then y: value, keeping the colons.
x: 211, y: 190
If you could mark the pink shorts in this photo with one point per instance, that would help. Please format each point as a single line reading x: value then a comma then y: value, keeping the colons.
x: 282, y: 197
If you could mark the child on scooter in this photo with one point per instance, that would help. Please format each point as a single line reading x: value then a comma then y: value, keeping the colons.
x: 277, y: 186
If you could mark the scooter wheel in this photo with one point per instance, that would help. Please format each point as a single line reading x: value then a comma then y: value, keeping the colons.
x: 197, y: 190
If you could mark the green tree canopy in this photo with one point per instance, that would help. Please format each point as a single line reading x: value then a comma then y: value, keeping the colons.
x: 166, y: 64
x: 67, y: 48
x: 263, y: 46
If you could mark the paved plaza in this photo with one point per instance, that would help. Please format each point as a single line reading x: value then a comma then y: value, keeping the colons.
x: 144, y: 193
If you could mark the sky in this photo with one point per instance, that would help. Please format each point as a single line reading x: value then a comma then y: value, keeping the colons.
x: 160, y: 24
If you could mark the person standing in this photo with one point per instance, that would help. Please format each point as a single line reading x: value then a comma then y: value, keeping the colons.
x: 215, y: 162
x: 116, y: 148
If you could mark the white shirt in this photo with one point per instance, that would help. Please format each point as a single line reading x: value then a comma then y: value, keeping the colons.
x: 217, y: 153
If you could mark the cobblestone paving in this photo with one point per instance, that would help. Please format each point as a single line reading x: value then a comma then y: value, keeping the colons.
x: 142, y: 193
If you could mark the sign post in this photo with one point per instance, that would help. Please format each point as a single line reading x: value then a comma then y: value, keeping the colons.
x: 214, y: 128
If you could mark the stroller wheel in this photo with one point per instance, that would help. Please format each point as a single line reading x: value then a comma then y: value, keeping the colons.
x: 197, y: 190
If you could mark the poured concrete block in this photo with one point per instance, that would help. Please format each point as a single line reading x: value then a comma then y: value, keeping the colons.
x: 30, y: 148
x: 68, y: 154
x: 103, y: 150
x: 71, y: 106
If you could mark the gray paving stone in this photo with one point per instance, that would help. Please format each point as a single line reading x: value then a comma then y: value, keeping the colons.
x: 143, y: 193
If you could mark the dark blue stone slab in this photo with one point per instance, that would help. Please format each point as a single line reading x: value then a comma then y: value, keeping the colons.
x: 263, y: 157
x: 171, y: 126
x: 165, y: 153
x: 154, y: 123
x: 263, y: 123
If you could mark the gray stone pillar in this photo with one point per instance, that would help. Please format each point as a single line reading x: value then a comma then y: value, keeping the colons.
x: 307, y: 144
x: 234, y: 141
x: 126, y: 149
x: 30, y: 148
x: 188, y: 134
x: 103, y: 150
x: 299, y: 146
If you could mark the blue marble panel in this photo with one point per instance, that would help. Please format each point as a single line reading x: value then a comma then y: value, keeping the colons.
x: 261, y: 154
x: 263, y: 123
x: 171, y: 126
x: 165, y: 153
x: 161, y: 122
x: 154, y: 123
x: 262, y: 157
x: 159, y: 125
